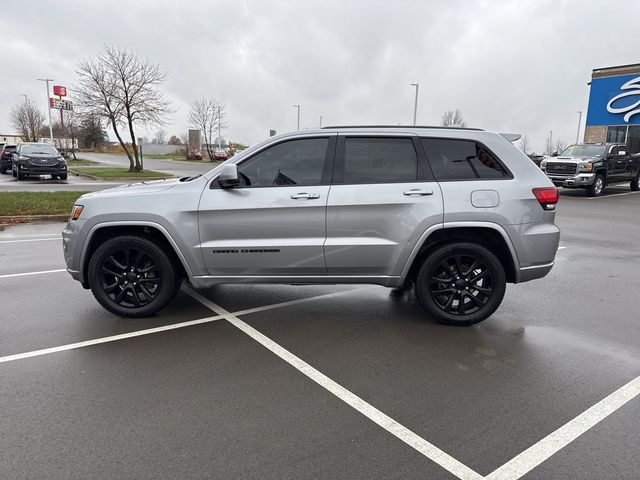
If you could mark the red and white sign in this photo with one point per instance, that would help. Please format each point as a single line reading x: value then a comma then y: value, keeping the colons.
x: 60, y: 90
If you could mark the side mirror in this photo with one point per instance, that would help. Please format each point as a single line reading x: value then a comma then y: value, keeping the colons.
x: 229, y: 176
x: 554, y: 154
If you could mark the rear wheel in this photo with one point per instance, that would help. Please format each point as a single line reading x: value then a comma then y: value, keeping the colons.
x: 635, y: 183
x: 596, y: 189
x: 132, y: 276
x: 460, y: 284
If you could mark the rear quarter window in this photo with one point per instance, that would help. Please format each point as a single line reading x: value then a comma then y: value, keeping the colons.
x: 453, y: 159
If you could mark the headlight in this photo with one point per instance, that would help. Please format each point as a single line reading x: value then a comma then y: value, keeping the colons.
x: 586, y: 167
x: 23, y: 157
x: 543, y: 164
x: 75, y: 213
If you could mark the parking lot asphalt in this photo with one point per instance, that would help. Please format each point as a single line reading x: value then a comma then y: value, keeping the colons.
x: 327, y: 381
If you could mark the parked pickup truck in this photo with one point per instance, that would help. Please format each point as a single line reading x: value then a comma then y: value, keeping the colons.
x: 593, y: 166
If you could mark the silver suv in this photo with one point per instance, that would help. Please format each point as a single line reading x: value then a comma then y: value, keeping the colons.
x: 454, y: 213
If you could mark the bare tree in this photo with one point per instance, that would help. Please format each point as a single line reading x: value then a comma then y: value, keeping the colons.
x: 205, y: 114
x: 160, y: 137
x: 95, y: 95
x: 524, y: 144
x: 453, y: 119
x: 124, y: 89
x: 174, y: 140
x: 28, y: 120
x: 184, y: 142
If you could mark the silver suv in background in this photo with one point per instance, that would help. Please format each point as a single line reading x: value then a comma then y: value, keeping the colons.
x: 454, y: 213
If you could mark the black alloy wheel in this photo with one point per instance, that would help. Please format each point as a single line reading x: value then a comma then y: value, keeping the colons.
x: 461, y: 284
x: 132, y: 276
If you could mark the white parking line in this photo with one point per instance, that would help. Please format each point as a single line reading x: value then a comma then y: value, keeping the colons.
x: 5, y: 236
x: 11, y: 275
x: 164, y: 328
x: 30, y: 240
x: 545, y: 448
x: 427, y: 449
x: 612, y: 195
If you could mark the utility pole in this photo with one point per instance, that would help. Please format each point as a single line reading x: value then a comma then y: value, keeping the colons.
x: 47, y: 80
x: 298, y: 107
x: 219, y: 127
x: 320, y: 121
x: 550, y: 142
x: 579, y: 122
x: 415, y: 103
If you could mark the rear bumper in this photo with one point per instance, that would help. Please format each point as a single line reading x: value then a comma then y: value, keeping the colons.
x: 537, y: 271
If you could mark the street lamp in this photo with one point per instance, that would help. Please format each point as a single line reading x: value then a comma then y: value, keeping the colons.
x: 25, y: 97
x: 298, y: 107
x: 47, y: 80
x: 415, y: 103
x: 579, y: 122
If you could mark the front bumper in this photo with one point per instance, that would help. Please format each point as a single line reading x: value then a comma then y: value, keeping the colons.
x: 33, y: 170
x: 579, y: 180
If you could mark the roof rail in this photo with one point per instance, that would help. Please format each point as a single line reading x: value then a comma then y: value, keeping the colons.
x: 403, y: 126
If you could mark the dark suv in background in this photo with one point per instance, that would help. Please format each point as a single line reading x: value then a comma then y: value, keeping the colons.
x: 6, y: 152
x: 35, y: 159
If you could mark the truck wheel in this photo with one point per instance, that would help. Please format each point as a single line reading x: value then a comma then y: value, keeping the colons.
x: 635, y: 183
x: 596, y: 189
x: 460, y: 284
x: 132, y: 276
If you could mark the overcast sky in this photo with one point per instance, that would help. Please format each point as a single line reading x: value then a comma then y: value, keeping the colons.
x: 510, y: 66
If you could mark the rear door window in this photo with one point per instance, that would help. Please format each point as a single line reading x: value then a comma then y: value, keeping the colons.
x: 453, y: 159
x: 378, y: 160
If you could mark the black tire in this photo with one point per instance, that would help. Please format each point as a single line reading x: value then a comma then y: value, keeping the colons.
x: 63, y: 176
x: 20, y: 176
x: 13, y: 172
x: 460, y: 284
x: 635, y: 183
x: 3, y: 170
x: 133, y: 276
x: 596, y: 189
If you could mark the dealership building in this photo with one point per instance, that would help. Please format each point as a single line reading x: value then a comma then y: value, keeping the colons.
x: 613, y: 114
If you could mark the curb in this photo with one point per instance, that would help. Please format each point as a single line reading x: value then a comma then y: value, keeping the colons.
x: 32, y: 218
x: 84, y: 175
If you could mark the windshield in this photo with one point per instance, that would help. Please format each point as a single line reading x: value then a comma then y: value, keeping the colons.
x: 584, y: 151
x: 38, y: 148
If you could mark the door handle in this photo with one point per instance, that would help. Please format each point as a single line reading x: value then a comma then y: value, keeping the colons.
x: 415, y: 192
x: 305, y: 196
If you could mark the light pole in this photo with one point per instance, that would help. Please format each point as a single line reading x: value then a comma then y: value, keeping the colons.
x: 579, y: 122
x: 298, y: 107
x: 415, y: 103
x: 47, y: 80
x: 25, y: 97
x: 320, y: 121
x: 550, y: 142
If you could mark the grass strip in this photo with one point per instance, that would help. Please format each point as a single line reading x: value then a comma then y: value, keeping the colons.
x: 37, y: 203
x: 111, y: 173
x: 79, y: 162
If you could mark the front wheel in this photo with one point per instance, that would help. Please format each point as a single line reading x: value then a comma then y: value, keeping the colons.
x: 460, y: 284
x: 132, y: 276
x: 635, y: 183
x: 596, y: 189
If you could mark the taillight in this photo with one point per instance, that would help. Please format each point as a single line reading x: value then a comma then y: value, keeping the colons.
x: 547, y: 197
